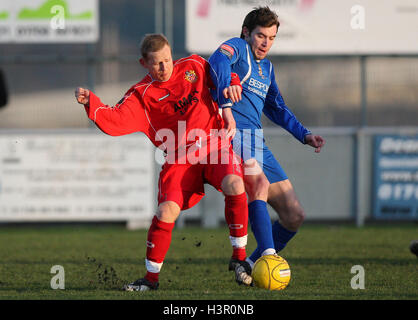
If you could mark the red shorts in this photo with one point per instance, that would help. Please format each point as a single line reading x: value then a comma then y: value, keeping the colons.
x: 184, y: 183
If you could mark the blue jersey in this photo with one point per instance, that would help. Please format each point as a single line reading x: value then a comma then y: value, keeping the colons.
x: 260, y: 91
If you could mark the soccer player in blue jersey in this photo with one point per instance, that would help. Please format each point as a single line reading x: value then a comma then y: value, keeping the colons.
x: 265, y: 180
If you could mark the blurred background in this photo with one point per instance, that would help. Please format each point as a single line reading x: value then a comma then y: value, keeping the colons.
x: 340, y: 67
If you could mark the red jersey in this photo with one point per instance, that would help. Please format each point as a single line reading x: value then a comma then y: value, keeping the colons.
x: 178, y: 105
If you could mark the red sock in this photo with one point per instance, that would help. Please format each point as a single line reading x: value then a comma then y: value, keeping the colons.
x: 152, y: 277
x: 236, y: 216
x: 239, y: 253
x: 158, y: 243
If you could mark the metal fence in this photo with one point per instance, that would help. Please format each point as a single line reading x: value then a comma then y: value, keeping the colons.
x: 325, y: 91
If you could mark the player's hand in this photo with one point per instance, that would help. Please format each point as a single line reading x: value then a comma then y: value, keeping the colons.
x: 315, y: 141
x: 82, y: 95
x: 229, y: 121
x: 233, y: 92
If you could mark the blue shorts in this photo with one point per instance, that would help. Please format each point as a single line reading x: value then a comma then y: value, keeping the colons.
x: 250, y: 143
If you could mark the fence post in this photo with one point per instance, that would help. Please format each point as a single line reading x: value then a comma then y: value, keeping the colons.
x: 361, y: 178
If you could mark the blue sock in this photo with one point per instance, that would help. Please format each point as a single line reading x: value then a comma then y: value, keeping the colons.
x: 281, y: 236
x: 260, y: 222
x: 255, y: 255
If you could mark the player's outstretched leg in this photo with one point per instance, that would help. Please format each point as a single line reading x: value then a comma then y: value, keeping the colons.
x: 236, y: 216
x: 158, y: 243
x: 283, y: 199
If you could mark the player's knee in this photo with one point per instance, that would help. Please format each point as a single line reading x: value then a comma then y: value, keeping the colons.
x: 296, y: 218
x: 262, y: 185
x: 233, y: 185
x: 168, y: 212
x: 257, y: 188
x: 252, y: 167
x: 166, y: 216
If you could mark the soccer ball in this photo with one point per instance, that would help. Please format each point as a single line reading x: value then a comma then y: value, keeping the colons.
x: 271, y: 272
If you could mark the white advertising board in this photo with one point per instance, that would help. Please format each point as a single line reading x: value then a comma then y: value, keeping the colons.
x: 49, y: 21
x: 75, y: 177
x: 310, y: 26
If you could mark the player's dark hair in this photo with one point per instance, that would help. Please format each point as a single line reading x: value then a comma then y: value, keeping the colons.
x: 152, y: 43
x: 260, y: 16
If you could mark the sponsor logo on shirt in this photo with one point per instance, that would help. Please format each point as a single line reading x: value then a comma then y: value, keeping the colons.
x: 183, y: 104
x: 190, y: 76
x: 258, y: 87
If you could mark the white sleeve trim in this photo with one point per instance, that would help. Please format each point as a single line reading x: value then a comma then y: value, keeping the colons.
x: 249, y: 66
x: 225, y: 105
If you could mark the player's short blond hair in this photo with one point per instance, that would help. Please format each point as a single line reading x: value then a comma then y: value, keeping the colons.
x: 153, y: 43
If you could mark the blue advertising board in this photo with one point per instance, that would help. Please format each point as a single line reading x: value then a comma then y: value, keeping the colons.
x: 395, y: 186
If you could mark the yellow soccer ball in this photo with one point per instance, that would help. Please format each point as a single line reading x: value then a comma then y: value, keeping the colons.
x: 271, y: 272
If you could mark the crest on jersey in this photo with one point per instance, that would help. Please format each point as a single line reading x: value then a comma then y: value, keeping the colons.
x: 190, y: 76
x: 260, y: 72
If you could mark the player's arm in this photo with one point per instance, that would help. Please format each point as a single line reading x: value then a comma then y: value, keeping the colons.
x: 315, y: 141
x: 276, y: 110
x: 220, y: 70
x: 229, y: 122
x: 233, y: 92
x: 124, y: 118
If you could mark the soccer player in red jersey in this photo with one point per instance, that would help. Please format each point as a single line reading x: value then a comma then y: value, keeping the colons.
x: 173, y: 106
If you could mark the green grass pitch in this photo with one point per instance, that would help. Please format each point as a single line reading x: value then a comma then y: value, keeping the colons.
x: 98, y: 260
